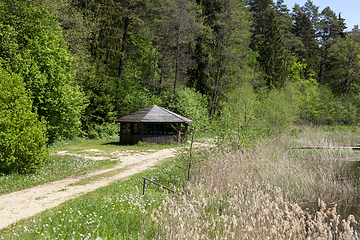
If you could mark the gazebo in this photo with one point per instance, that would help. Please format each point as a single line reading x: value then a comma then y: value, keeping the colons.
x: 153, y: 124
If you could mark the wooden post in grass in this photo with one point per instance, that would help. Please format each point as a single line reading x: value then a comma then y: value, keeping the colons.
x: 144, y: 186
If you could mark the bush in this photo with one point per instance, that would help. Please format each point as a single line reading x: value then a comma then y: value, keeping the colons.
x: 278, y: 109
x: 97, y: 131
x: 190, y: 104
x: 22, y: 138
x: 238, y: 116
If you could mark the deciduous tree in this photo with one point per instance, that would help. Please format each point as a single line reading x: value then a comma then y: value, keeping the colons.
x: 39, y: 53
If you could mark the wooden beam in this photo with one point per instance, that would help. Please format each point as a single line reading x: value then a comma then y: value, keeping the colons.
x: 351, y: 148
x: 132, y: 128
x: 121, y: 131
x: 186, y: 131
x: 179, y: 132
x: 142, y: 131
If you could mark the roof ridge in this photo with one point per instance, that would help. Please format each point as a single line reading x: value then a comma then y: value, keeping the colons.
x: 150, y: 108
x: 174, y: 114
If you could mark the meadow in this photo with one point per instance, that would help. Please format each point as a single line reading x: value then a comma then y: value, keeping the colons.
x: 264, y: 191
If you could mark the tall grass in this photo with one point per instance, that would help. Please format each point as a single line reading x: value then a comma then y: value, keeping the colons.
x: 266, y: 192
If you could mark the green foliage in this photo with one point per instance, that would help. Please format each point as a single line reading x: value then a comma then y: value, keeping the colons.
x: 267, y: 41
x: 308, y: 51
x: 96, y: 131
x: 190, y: 104
x: 135, y: 100
x: 278, y: 108
x: 222, y: 53
x: 239, y: 114
x: 319, y: 105
x: 40, y: 54
x: 22, y: 137
x: 248, y: 114
x: 344, y: 66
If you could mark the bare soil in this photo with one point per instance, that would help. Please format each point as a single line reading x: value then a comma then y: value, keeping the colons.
x: 26, y: 203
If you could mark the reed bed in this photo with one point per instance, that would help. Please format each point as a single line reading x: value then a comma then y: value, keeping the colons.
x: 267, y: 191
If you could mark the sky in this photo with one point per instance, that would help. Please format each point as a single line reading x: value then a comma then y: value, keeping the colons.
x: 349, y: 9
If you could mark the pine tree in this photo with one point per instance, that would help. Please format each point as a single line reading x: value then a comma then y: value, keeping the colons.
x: 330, y: 27
x: 267, y: 41
x: 222, y: 53
x: 308, y: 52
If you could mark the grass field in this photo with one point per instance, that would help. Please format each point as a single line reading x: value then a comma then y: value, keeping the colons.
x: 60, y: 167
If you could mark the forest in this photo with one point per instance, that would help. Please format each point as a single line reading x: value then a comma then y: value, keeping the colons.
x: 244, y: 68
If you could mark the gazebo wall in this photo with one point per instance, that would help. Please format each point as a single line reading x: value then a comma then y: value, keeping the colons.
x: 161, y: 138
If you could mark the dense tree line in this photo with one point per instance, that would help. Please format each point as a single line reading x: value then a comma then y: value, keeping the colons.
x: 85, y: 62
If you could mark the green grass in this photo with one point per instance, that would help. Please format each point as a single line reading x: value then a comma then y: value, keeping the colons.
x: 60, y: 167
x: 98, y: 177
x: 117, y: 211
x: 56, y: 168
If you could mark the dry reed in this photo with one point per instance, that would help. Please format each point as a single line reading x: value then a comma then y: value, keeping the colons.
x: 257, y: 194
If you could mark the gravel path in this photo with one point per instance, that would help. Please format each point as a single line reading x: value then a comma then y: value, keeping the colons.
x: 26, y: 203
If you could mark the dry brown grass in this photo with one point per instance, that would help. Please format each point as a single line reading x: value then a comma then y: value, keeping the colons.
x: 257, y: 194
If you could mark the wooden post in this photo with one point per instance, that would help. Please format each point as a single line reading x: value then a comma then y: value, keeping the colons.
x: 142, y: 132
x: 179, y: 132
x: 186, y: 132
x: 144, y: 186
x: 163, y: 128
x: 121, y: 131
x: 132, y: 128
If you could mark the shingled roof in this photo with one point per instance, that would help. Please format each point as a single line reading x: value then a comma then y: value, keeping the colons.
x: 153, y: 114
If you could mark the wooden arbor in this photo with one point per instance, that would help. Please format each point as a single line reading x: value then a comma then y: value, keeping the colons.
x: 153, y: 124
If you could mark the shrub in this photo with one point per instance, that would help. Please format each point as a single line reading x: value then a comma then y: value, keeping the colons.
x: 278, y: 109
x: 190, y: 104
x: 238, y: 115
x: 97, y: 131
x: 22, y: 138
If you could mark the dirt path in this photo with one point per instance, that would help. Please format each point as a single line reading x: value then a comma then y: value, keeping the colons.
x: 26, y: 203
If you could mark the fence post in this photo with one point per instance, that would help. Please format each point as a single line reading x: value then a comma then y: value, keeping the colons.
x: 144, y: 186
